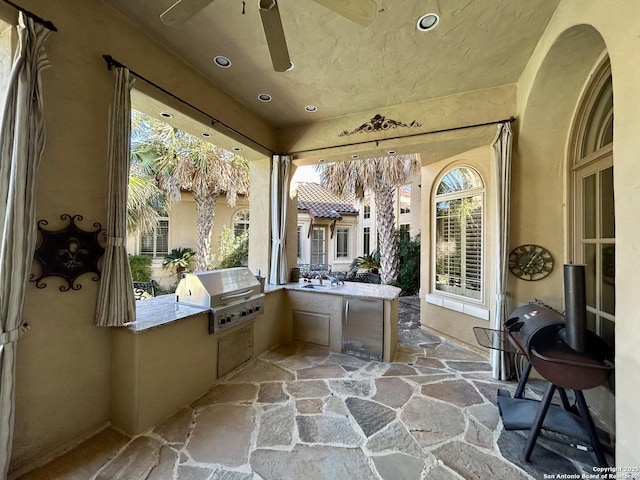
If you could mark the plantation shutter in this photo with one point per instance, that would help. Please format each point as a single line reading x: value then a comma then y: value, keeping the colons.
x: 473, y: 251
x: 459, y: 225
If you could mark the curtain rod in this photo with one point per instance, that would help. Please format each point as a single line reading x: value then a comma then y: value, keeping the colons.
x: 399, y: 137
x: 111, y: 62
x: 49, y: 25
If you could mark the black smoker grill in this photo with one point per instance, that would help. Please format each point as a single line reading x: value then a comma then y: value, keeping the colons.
x: 566, y: 354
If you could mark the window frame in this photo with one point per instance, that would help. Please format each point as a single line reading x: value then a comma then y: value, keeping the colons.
x: 154, y: 253
x: 236, y: 221
x: 366, y: 240
x: 469, y: 192
x: 340, y: 255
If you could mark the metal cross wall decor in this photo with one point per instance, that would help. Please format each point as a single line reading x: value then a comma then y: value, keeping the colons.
x: 68, y: 253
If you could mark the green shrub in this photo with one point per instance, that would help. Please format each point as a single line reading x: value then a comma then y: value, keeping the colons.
x: 179, y: 259
x: 409, y: 264
x: 140, y: 268
x: 234, y: 250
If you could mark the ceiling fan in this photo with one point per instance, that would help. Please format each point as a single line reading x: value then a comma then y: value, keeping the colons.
x: 360, y: 11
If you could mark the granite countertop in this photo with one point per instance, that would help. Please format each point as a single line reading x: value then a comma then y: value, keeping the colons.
x: 348, y: 289
x: 163, y: 310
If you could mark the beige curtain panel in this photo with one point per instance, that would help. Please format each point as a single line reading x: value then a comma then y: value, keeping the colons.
x: 500, y: 361
x: 116, y: 303
x: 280, y: 180
x: 21, y: 146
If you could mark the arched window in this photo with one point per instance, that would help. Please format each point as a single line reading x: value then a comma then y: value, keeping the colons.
x: 594, y: 222
x: 459, y: 205
x: 240, y: 222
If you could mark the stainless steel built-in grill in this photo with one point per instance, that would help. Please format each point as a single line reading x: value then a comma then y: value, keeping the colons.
x: 233, y: 295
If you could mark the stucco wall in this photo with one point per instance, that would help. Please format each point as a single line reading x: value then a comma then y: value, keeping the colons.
x: 450, y: 322
x: 64, y: 363
x: 575, y: 24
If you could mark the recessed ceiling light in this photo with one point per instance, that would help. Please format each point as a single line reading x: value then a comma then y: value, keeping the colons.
x: 291, y: 66
x: 236, y: 149
x: 311, y: 108
x: 264, y: 97
x: 166, y: 115
x: 222, y: 61
x: 428, y: 22
x: 205, y: 134
x: 391, y: 152
x: 355, y: 156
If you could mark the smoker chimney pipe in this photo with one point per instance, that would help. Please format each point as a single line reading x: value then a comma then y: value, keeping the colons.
x: 575, y: 307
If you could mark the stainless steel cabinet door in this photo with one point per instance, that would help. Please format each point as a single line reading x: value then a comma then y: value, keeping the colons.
x: 362, y: 328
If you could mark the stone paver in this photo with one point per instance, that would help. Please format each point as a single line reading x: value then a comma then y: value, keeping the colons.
x: 312, y: 463
x: 300, y: 411
x: 276, y: 426
x: 176, y: 428
x: 371, y: 416
x: 272, y: 393
x: 328, y: 430
x: 398, y: 466
x: 392, y: 391
x: 222, y: 435
x: 473, y: 464
x: 431, y: 422
x: 457, y: 392
x: 395, y: 437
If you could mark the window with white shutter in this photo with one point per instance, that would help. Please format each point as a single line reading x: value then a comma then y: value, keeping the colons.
x: 459, y: 205
x: 156, y: 242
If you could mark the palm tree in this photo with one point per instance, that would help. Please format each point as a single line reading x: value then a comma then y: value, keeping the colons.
x: 145, y: 199
x: 179, y: 161
x: 382, y: 176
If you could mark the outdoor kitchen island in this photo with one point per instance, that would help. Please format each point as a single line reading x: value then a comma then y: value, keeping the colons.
x: 319, y: 313
x: 168, y: 358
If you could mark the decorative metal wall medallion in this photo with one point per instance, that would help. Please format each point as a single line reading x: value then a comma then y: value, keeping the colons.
x: 378, y: 123
x: 68, y: 253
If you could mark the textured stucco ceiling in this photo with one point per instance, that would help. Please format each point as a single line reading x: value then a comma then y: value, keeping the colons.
x: 344, y: 68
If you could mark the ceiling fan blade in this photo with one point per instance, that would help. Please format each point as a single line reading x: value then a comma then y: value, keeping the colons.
x: 182, y: 10
x: 274, y: 32
x: 360, y: 11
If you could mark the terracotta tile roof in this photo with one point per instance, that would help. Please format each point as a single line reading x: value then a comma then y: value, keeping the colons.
x: 321, y: 203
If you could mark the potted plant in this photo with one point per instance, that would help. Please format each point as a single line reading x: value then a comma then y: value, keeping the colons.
x: 179, y: 259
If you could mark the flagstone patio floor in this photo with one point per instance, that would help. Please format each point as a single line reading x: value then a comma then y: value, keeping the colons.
x: 302, y: 412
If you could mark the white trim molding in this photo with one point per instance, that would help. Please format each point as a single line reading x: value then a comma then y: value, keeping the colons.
x: 452, y: 304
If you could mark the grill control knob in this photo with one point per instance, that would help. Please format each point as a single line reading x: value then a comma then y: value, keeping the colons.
x: 243, y: 314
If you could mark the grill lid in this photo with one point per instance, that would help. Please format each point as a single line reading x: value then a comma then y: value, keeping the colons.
x: 217, y: 287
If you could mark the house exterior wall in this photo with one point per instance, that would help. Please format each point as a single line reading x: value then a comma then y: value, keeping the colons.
x: 337, y: 264
x: 441, y: 311
x: 183, y: 232
x: 413, y: 218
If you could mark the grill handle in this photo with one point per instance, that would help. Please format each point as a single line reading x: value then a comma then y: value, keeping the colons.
x: 607, y: 365
x: 235, y: 295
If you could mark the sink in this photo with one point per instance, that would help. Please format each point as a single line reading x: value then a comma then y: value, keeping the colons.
x: 314, y: 286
